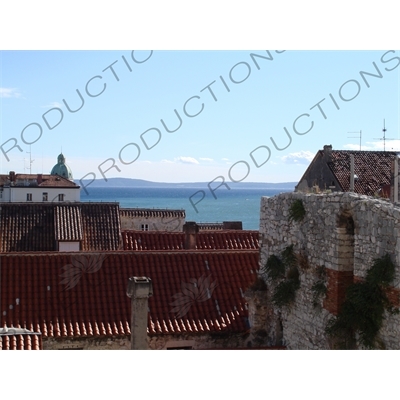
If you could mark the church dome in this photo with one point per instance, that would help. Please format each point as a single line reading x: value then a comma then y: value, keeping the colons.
x: 62, y: 169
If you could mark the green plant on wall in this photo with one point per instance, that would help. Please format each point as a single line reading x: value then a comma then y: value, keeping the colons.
x: 363, y: 309
x: 283, y: 272
x: 297, y: 211
x: 319, y: 288
x: 274, y: 268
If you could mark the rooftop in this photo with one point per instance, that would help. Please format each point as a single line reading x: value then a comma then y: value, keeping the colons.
x: 205, y: 240
x: 84, y: 295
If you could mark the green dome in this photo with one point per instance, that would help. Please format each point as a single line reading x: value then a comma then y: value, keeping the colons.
x: 62, y: 169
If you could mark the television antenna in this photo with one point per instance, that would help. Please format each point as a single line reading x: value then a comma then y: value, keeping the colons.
x: 356, y: 137
x: 30, y: 159
x: 384, y: 130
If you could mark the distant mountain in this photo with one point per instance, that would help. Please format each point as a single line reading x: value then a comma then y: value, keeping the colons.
x: 140, y: 183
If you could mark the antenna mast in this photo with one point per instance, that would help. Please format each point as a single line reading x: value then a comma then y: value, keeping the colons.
x: 356, y: 137
x: 30, y: 159
x: 384, y: 136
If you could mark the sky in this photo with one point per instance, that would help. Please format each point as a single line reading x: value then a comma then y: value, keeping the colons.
x: 186, y: 116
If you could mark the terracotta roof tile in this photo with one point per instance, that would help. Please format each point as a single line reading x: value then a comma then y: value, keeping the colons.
x: 206, y: 240
x: 373, y: 169
x: 34, y: 180
x: 23, y: 341
x: 68, y: 223
x: 37, y: 227
x: 70, y: 295
x: 150, y: 213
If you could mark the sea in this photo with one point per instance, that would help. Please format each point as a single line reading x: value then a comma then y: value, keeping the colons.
x: 200, y: 205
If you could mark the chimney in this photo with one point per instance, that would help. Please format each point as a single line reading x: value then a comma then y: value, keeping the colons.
x: 190, y: 229
x: 234, y: 225
x: 12, y: 176
x: 327, y: 152
x: 351, y: 172
x: 39, y: 179
x: 139, y: 290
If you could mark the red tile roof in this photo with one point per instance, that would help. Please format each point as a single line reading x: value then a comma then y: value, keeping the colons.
x: 38, y: 180
x: 68, y: 223
x: 24, y: 341
x: 80, y: 295
x: 373, y: 169
x: 206, y: 240
x: 37, y: 226
x: 151, y: 213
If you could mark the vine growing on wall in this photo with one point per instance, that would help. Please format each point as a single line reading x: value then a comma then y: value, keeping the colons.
x: 283, y: 272
x: 297, y: 211
x: 363, y: 309
x: 319, y: 288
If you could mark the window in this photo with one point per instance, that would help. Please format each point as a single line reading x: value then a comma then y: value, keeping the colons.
x: 61, y: 197
x: 145, y: 227
x: 45, y: 196
x: 29, y: 197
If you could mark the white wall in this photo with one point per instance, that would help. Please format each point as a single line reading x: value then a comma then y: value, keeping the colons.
x: 18, y: 194
x: 68, y: 246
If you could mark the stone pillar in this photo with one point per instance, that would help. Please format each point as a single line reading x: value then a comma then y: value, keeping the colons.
x: 139, y: 290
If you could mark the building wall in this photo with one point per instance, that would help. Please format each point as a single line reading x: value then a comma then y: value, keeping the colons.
x: 167, y: 223
x: 319, y: 175
x: 342, y: 232
x: 159, y: 342
x: 18, y: 194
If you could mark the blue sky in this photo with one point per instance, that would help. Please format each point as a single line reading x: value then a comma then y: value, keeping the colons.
x: 265, y: 96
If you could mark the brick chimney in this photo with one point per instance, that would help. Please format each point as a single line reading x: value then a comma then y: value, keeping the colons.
x: 39, y: 179
x: 139, y: 290
x: 328, y: 152
x: 190, y: 229
x: 12, y: 176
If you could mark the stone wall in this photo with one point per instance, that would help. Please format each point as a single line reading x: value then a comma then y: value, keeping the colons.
x: 155, y: 342
x: 109, y: 343
x: 341, y: 232
x: 153, y: 219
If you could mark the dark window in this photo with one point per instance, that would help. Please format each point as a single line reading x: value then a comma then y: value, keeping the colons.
x: 45, y: 196
x: 180, y: 348
x: 29, y: 197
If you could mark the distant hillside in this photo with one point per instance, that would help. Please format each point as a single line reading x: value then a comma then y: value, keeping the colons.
x: 139, y: 183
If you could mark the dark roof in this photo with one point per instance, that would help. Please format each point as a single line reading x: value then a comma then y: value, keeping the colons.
x: 205, y: 240
x: 84, y: 294
x: 37, y: 226
x: 149, y: 212
x: 373, y: 169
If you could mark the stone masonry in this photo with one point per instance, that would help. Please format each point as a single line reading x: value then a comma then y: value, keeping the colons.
x: 342, y: 232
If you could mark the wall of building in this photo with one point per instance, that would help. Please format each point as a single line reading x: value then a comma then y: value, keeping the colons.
x: 318, y: 175
x: 341, y: 232
x: 159, y: 342
x: 110, y: 343
x: 18, y: 194
x: 155, y: 220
